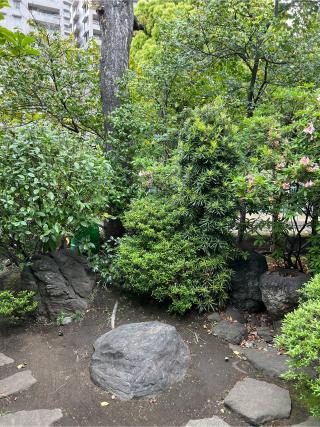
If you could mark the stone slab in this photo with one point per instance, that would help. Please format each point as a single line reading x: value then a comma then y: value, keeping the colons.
x: 258, y: 401
x: 36, y: 418
x: 15, y: 383
x: 208, y: 422
x: 5, y: 360
x: 269, y: 362
x: 310, y: 422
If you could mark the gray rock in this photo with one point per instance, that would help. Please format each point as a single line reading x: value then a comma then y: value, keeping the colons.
x: 265, y: 333
x: 235, y: 314
x: 214, y: 317
x: 268, y: 361
x: 5, y: 360
x: 15, y: 383
x: 232, y: 332
x: 258, y: 401
x: 36, y: 418
x: 62, y: 281
x: 310, y: 422
x: 279, y: 291
x: 67, y: 320
x: 208, y: 422
x: 245, y: 290
x: 139, y: 359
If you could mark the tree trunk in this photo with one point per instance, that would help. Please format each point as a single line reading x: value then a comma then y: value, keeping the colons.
x: 116, y: 21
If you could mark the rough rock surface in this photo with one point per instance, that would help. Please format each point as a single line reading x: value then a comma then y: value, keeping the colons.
x: 245, y: 290
x: 279, y: 291
x: 5, y: 360
x: 258, y: 401
x: 208, y: 422
x: 234, y: 314
x: 36, y: 418
x: 232, y: 332
x: 15, y: 383
x: 139, y: 359
x: 269, y: 361
x: 62, y: 280
x: 265, y: 333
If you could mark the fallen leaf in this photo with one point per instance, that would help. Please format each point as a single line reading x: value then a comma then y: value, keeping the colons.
x: 103, y: 404
x: 20, y: 366
x: 236, y: 352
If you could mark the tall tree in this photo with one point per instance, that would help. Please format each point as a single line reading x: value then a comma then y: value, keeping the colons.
x: 116, y: 21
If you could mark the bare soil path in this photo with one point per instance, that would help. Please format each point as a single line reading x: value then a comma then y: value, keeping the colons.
x: 60, y: 365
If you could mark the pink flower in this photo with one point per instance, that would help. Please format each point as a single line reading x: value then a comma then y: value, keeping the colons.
x: 305, y: 161
x: 310, y: 129
x: 251, y: 179
x: 286, y: 186
x: 313, y: 168
x: 309, y: 184
x: 280, y: 166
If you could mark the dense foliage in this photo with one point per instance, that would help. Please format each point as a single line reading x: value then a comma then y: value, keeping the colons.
x: 300, y: 338
x: 51, y: 184
x: 15, y: 307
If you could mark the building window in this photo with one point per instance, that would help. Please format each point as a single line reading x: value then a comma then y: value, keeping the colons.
x: 16, y: 4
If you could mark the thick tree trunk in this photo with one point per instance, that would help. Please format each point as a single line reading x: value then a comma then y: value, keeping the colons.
x: 116, y: 21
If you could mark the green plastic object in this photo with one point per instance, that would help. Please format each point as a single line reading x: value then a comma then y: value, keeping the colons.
x: 90, y: 234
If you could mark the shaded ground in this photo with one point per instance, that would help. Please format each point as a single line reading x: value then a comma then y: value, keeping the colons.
x: 60, y: 364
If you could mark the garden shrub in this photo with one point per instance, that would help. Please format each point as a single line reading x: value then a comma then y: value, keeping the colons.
x: 16, y: 306
x: 51, y: 184
x: 300, y: 337
x: 156, y: 258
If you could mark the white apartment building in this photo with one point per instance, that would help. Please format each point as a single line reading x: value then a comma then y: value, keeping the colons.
x: 84, y: 19
x: 52, y: 14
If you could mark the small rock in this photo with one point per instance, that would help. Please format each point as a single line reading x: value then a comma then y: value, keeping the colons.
x: 36, y: 418
x: 265, y: 333
x: 207, y: 422
x: 234, y: 314
x: 60, y: 333
x: 231, y: 332
x: 67, y: 321
x: 258, y: 401
x: 226, y: 359
x: 214, y: 317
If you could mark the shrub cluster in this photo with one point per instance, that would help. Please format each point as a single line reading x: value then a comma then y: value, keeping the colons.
x: 300, y: 336
x: 16, y: 306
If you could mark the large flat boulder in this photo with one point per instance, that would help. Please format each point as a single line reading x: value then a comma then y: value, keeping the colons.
x: 139, y: 359
x: 5, y: 360
x: 62, y: 282
x: 36, y: 418
x: 258, y: 401
x: 245, y: 290
x: 279, y: 290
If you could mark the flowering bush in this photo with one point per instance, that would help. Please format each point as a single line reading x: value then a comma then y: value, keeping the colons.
x: 283, y: 179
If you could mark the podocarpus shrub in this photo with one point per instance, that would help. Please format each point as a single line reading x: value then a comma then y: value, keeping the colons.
x: 156, y: 258
x: 16, y: 306
x: 300, y: 337
x: 179, y: 242
x: 51, y: 184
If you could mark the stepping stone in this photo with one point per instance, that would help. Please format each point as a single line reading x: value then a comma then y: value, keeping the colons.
x: 37, y: 418
x: 15, y: 383
x: 231, y: 332
x: 258, y: 401
x: 269, y: 361
x: 5, y: 360
x: 310, y: 422
x: 206, y: 422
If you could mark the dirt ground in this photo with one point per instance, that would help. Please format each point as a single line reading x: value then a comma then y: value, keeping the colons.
x: 60, y: 364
